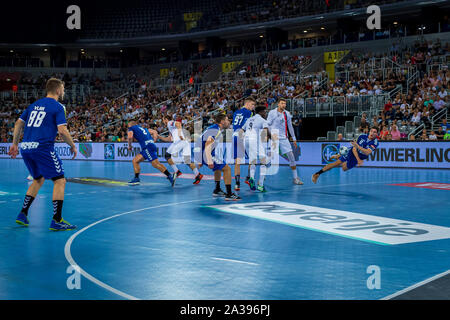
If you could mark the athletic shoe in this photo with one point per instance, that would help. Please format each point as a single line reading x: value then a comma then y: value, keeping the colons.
x: 232, y: 197
x: 134, y: 182
x: 314, y: 177
x: 237, y: 187
x: 30, y: 178
x: 261, y: 188
x: 251, y: 183
x: 297, y: 181
x: 179, y: 173
x: 198, y: 178
x: 246, y: 180
x: 219, y: 193
x: 61, y: 226
x: 22, y: 219
x: 172, y: 178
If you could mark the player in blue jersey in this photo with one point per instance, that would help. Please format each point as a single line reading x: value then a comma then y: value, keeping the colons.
x: 41, y: 121
x: 359, y: 151
x: 212, y: 154
x: 146, y: 138
x: 240, y: 117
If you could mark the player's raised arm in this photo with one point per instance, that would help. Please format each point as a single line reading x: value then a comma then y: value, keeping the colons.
x: 65, y: 134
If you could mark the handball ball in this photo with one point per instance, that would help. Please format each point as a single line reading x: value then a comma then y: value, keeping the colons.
x: 343, y: 151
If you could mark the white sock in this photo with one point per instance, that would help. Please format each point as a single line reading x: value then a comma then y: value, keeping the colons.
x: 262, y: 174
x: 195, y: 171
x: 294, y: 173
x: 174, y: 167
x: 252, y: 171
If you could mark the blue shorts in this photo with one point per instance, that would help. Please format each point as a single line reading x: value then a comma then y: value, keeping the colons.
x: 217, y: 166
x: 150, y: 152
x: 350, y: 159
x: 43, y: 163
x: 238, y: 148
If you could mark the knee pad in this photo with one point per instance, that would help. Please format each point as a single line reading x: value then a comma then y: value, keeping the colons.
x: 167, y: 156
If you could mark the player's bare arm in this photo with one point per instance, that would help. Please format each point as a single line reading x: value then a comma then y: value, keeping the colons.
x: 65, y: 134
x: 18, y: 128
x: 130, y: 140
x: 208, y: 151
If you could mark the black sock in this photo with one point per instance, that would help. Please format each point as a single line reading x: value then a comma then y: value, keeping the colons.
x: 136, y: 175
x: 217, y: 186
x: 228, y: 186
x: 57, y: 208
x: 237, y: 178
x: 320, y: 172
x: 167, y: 173
x: 26, y: 204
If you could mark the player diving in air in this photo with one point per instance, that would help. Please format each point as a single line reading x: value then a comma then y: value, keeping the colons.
x: 256, y: 134
x: 146, y: 138
x: 359, y: 151
x: 212, y: 154
x: 179, y: 144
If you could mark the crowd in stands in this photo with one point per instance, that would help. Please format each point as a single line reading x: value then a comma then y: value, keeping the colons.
x: 102, y: 117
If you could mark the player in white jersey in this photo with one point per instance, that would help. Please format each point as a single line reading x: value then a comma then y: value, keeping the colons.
x: 256, y: 134
x: 280, y: 121
x: 179, y: 144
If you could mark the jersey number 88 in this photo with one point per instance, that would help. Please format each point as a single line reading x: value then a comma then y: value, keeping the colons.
x: 36, y: 118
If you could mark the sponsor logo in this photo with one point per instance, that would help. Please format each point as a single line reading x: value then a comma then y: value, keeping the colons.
x: 63, y: 151
x: 374, y: 229
x: 125, y: 153
x: 328, y: 150
x: 4, y: 150
x: 411, y: 155
x: 85, y: 149
x: 29, y: 145
x: 109, y: 151
x: 425, y: 185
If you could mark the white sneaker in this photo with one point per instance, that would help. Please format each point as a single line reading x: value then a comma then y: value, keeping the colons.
x: 297, y: 181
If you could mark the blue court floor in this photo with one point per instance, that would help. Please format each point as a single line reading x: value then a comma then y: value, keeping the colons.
x: 154, y: 242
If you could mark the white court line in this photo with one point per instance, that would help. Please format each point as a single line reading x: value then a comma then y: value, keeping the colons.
x: 414, y: 286
x: 69, y: 242
x: 237, y: 261
x: 72, y: 262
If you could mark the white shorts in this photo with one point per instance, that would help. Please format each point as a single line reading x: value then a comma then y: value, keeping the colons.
x: 181, y: 145
x: 285, y: 146
x: 255, y: 149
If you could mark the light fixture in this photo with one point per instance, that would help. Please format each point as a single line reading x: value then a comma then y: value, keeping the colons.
x: 11, y: 51
x: 163, y: 49
x: 261, y: 36
x: 305, y: 31
x: 121, y: 50
x: 395, y: 22
x: 322, y: 28
x: 45, y: 50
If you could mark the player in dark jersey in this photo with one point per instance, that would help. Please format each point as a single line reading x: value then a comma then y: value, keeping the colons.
x: 41, y: 121
x: 359, y: 151
x: 239, y: 118
x: 146, y: 138
x: 212, y: 155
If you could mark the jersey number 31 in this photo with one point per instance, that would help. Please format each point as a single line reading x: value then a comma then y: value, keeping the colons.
x: 36, y: 118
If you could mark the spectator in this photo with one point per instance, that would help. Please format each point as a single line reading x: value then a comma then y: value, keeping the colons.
x: 440, y: 134
x: 296, y: 123
x: 395, y: 133
x: 432, y: 136
x: 340, y: 137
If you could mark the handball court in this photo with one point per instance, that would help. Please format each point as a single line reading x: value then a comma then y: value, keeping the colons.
x: 157, y: 242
